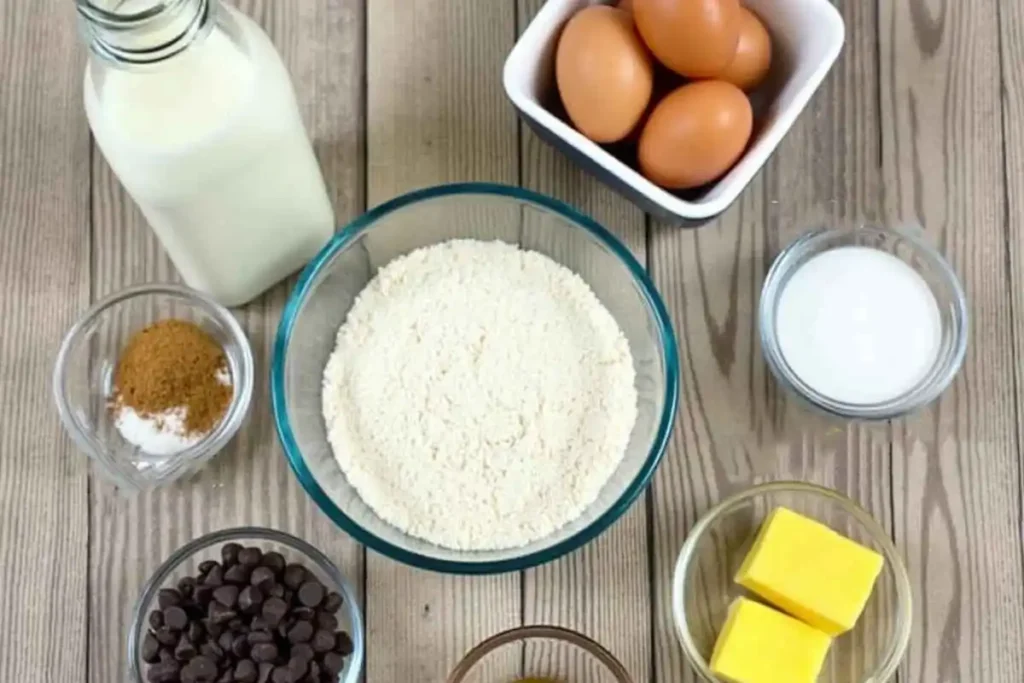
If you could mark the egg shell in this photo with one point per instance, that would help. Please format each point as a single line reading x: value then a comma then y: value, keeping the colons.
x: 694, y: 38
x: 753, y: 58
x: 695, y: 135
x: 604, y: 73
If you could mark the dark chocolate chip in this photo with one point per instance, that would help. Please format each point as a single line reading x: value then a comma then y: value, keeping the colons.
x: 311, y: 593
x: 276, y: 591
x: 150, y: 648
x: 237, y: 624
x: 226, y: 676
x: 323, y: 641
x: 206, y: 566
x: 175, y: 617
x: 185, y: 650
x: 314, y: 673
x: 245, y: 671
x: 238, y: 574
x: 187, y: 586
x: 265, y: 670
x: 333, y: 663
x: 303, y: 650
x: 195, y: 632
x: 343, y: 643
x: 240, y: 646
x: 215, y: 577
x: 301, y: 632
x: 168, y: 597
x: 298, y: 667
x: 250, y: 556
x: 274, y: 610
x: 156, y: 619
x: 229, y: 553
x: 167, y: 654
x: 282, y: 674
x: 212, y: 650
x: 331, y: 603
x: 226, y: 640
x: 264, y: 652
x: 304, y: 613
x: 288, y: 596
x: 259, y: 624
x: 204, y: 668
x: 219, y: 614
x: 215, y: 630
x: 204, y: 594
x: 294, y: 575
x: 226, y: 595
x: 274, y: 561
x: 262, y: 577
x: 259, y: 637
x: 250, y: 599
x: 328, y: 622
x: 167, y: 636
x: 164, y: 672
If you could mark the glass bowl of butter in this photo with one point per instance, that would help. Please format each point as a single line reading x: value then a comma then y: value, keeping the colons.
x: 539, y: 654
x: 788, y: 582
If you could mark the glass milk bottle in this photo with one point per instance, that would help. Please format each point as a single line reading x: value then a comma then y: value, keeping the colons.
x: 194, y: 111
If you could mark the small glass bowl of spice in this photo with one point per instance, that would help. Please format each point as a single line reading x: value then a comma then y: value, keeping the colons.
x: 539, y: 654
x: 152, y: 382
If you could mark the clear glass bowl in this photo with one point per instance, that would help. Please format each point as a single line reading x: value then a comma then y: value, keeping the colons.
x: 330, y: 283
x: 703, y: 585
x: 540, y: 652
x: 84, y: 374
x: 911, y: 248
x: 185, y: 562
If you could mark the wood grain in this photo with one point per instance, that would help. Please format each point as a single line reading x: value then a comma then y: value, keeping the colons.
x: 44, y: 286
x: 603, y: 589
x: 957, y: 468
x: 249, y: 483
x: 736, y: 427
x: 436, y: 113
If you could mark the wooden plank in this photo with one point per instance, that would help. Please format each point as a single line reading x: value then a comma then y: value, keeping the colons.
x: 603, y: 589
x: 44, y: 286
x: 321, y: 43
x: 736, y: 427
x: 957, y: 467
x: 436, y: 113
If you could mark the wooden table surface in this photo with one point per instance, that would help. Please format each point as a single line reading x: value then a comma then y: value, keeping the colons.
x: 922, y: 120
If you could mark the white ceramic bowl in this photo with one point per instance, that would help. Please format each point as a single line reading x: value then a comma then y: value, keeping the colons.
x: 807, y: 36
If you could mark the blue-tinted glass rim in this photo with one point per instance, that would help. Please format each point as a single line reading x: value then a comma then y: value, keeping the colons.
x: 351, y: 232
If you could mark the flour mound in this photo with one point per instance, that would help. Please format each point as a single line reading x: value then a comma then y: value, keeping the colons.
x: 479, y: 396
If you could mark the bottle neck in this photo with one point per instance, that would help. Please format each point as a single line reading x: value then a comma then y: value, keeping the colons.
x: 139, y: 32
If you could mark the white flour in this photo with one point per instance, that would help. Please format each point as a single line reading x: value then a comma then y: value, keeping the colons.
x: 479, y: 396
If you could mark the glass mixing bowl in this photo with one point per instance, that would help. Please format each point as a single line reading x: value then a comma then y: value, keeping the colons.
x: 328, y: 286
x: 186, y: 560
x: 83, y: 379
x: 543, y: 653
x: 703, y: 586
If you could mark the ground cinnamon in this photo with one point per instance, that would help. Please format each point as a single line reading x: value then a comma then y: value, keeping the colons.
x: 174, y: 364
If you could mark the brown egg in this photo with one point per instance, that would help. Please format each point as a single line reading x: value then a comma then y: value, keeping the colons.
x: 753, y: 53
x: 694, y: 38
x: 604, y: 73
x: 625, y: 5
x: 695, y: 135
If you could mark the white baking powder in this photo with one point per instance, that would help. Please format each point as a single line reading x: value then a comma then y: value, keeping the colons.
x: 163, y: 433
x: 858, y: 325
x: 479, y: 396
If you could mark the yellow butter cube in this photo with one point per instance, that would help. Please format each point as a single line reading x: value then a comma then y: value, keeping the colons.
x: 758, y: 644
x: 807, y: 569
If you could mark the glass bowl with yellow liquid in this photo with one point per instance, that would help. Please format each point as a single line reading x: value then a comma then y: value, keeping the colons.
x: 539, y: 654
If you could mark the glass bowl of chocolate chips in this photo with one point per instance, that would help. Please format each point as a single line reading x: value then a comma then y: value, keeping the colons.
x: 247, y: 605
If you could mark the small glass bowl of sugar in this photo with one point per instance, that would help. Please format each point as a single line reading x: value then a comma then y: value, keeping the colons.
x: 132, y: 453
x: 863, y: 323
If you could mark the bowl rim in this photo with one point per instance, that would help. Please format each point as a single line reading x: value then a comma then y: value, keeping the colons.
x: 540, y: 632
x: 943, y: 371
x: 888, y: 664
x: 352, y: 231
x: 168, y: 567
x: 209, y: 445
